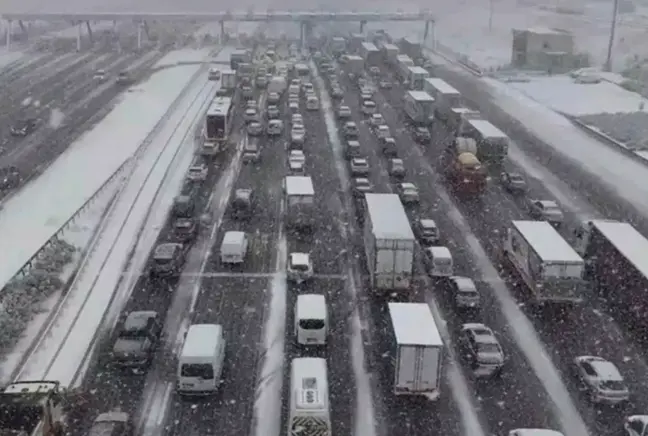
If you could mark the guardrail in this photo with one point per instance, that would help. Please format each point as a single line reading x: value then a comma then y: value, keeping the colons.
x: 131, y: 162
x: 455, y: 57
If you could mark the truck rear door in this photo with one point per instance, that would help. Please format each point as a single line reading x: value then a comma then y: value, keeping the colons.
x: 417, y: 369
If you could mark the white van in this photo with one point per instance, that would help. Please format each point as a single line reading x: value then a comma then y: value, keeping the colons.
x: 234, y: 247
x: 311, y: 319
x: 368, y: 107
x: 200, y: 364
x: 312, y: 103
x: 439, y: 261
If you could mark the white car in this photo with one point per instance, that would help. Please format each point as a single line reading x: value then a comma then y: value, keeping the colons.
x: 359, y: 166
x: 299, y: 268
x: 312, y: 104
x: 273, y: 112
x: 350, y: 129
x: 251, y: 115
x: 100, y: 75
x: 545, y: 210
x: 602, y: 380
x: 383, y: 132
x: 308, y: 87
x: 377, y: 120
x: 293, y: 106
x: 480, y: 346
x: 214, y: 74
x: 297, y: 134
x: 273, y: 98
x: 275, y: 127
x: 368, y: 107
x: 344, y: 112
x: 297, y: 119
x: 297, y: 167
x: 254, y: 128
x: 252, y: 104
x: 408, y: 193
x: 197, y: 172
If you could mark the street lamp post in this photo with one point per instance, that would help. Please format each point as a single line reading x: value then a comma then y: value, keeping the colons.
x: 615, y: 14
x: 490, y: 16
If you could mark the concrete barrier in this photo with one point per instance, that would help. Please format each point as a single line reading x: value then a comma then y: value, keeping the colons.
x: 456, y: 58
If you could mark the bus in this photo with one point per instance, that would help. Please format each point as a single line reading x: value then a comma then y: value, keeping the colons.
x: 218, y: 123
x: 309, y: 401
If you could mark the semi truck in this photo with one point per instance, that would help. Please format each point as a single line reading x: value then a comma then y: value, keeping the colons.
x: 390, y: 52
x: 419, y: 107
x: 277, y: 84
x: 411, y: 47
x: 355, y: 65
x: 549, y: 267
x: 338, y: 45
x: 458, y: 117
x: 228, y: 81
x: 355, y: 42
x: 462, y: 169
x: 446, y: 97
x: 370, y: 53
x: 32, y: 408
x: 416, y: 349
x: 238, y: 57
x: 403, y: 64
x: 389, y: 244
x: 616, y: 265
x: 416, y: 78
x: 492, y: 143
x: 299, y: 196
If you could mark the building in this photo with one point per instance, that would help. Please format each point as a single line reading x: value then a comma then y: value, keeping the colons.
x: 543, y: 49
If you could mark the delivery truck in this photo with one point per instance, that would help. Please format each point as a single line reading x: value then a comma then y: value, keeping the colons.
x: 277, y: 84
x: 550, y: 268
x: 370, y: 54
x: 459, y: 116
x: 389, y: 244
x: 416, y: 78
x: 355, y: 65
x: 419, y: 107
x: 416, y: 350
x: 446, y: 97
x: 411, y: 47
x: 492, y: 143
x: 389, y: 52
x: 299, y: 197
x: 403, y: 64
x: 616, y: 264
x: 338, y: 46
x: 355, y: 42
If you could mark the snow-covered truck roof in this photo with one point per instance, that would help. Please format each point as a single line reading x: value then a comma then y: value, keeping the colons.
x: 487, y: 129
x: 546, y: 241
x: 388, y: 218
x: 627, y: 240
x: 414, y: 324
x: 420, y: 96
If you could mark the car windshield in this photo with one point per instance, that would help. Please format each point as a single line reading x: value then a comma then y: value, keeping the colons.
x: 612, y: 385
x: 488, y: 348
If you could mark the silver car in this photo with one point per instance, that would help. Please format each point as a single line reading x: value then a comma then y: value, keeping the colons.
x: 545, y: 210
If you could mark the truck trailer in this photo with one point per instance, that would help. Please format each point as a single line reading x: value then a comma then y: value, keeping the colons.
x: 492, y: 143
x: 370, y: 53
x: 416, y: 78
x: 616, y: 259
x: 419, y: 107
x: 355, y: 42
x: 446, y: 97
x: 238, y: 57
x: 299, y: 196
x: 549, y: 267
x: 355, y: 65
x: 390, y: 52
x: 403, y: 64
x: 338, y: 46
x: 458, y: 118
x: 389, y: 244
x: 411, y: 47
x: 417, y: 350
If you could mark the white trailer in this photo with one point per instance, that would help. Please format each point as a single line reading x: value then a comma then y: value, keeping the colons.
x: 228, y: 80
x: 338, y: 45
x: 355, y: 65
x: 389, y: 243
x: 419, y: 107
x: 403, y: 64
x: 300, y: 202
x: 390, y: 52
x: 446, y: 96
x: 370, y: 53
x: 416, y: 78
x: 277, y: 84
x: 419, y: 350
x: 459, y: 117
x: 550, y: 268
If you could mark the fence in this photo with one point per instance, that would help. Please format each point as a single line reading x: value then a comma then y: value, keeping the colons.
x: 455, y: 57
x: 130, y: 163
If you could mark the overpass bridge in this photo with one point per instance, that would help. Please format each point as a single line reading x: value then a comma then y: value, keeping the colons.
x: 306, y: 19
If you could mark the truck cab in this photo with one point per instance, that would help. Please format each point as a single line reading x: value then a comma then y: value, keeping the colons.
x: 33, y: 408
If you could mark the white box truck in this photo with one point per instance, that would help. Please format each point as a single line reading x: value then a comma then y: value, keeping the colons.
x: 549, y: 267
x: 390, y: 52
x: 277, y: 84
x: 299, y: 195
x: 416, y: 78
x: 370, y: 53
x: 389, y: 243
x: 419, y: 107
x: 355, y: 65
x: 403, y: 64
x: 418, y: 348
x: 446, y: 96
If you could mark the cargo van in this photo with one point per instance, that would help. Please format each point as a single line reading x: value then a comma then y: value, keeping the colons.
x: 311, y: 319
x: 234, y: 248
x: 200, y: 364
x: 439, y: 261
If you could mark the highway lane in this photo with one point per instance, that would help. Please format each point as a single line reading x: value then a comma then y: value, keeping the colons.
x: 562, y: 332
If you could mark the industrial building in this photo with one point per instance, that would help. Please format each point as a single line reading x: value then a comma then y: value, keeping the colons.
x: 543, y: 49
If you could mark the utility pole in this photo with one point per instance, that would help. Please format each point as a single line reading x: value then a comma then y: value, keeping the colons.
x: 615, y: 14
x: 490, y: 16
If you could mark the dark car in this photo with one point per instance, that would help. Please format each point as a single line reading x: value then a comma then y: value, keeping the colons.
x: 513, y: 182
x: 243, y: 204
x: 24, y: 127
x: 137, y: 339
x: 422, y: 135
x: 115, y: 423
x: 185, y: 229
x: 10, y: 178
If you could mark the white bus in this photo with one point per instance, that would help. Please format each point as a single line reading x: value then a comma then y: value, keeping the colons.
x: 218, y: 123
x: 310, y: 413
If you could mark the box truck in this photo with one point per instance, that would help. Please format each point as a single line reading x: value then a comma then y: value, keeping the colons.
x: 418, y: 350
x: 390, y: 51
x: 416, y: 78
x: 389, y: 243
x: 419, y: 107
x: 403, y: 64
x: 355, y: 65
x: 446, y: 96
x: 492, y: 143
x: 370, y: 53
x: 549, y: 267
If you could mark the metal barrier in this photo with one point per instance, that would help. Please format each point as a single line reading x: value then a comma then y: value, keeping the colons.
x: 455, y: 57
x: 131, y: 162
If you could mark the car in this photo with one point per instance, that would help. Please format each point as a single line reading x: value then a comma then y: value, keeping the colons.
x: 295, y: 82
x: 297, y: 134
x: 137, y: 339
x: 113, y: 423
x: 251, y: 115
x: 368, y: 107
x: 247, y: 92
x: 361, y: 186
x: 293, y: 90
x: 513, y: 182
x: 602, y: 380
x: 307, y: 86
x: 297, y: 156
x: 396, y: 168
x: 293, y: 106
x: 344, y: 112
x: 197, y: 172
x: 388, y: 146
x: 299, y: 267
x: 464, y: 292
x: 359, y: 166
x: 214, y: 74
x: 547, y: 210
x: 273, y: 112
x: 385, y: 84
x: 100, y: 75
x: 337, y: 93
x: 242, y: 203
x: 24, y: 127
x: 376, y: 120
x: 261, y: 81
x: 185, y: 229
x: 383, y: 131
x: 297, y: 168
x: 252, y: 104
x: 10, y: 178
x: 408, y: 193
x: 422, y: 135
x: 636, y: 425
x: 350, y: 129
x: 427, y: 231
x: 374, y: 71
x: 273, y: 98
x: 255, y: 128
x: 124, y: 78
x: 297, y: 119
x: 275, y: 127
x: 480, y: 346
x: 312, y: 103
